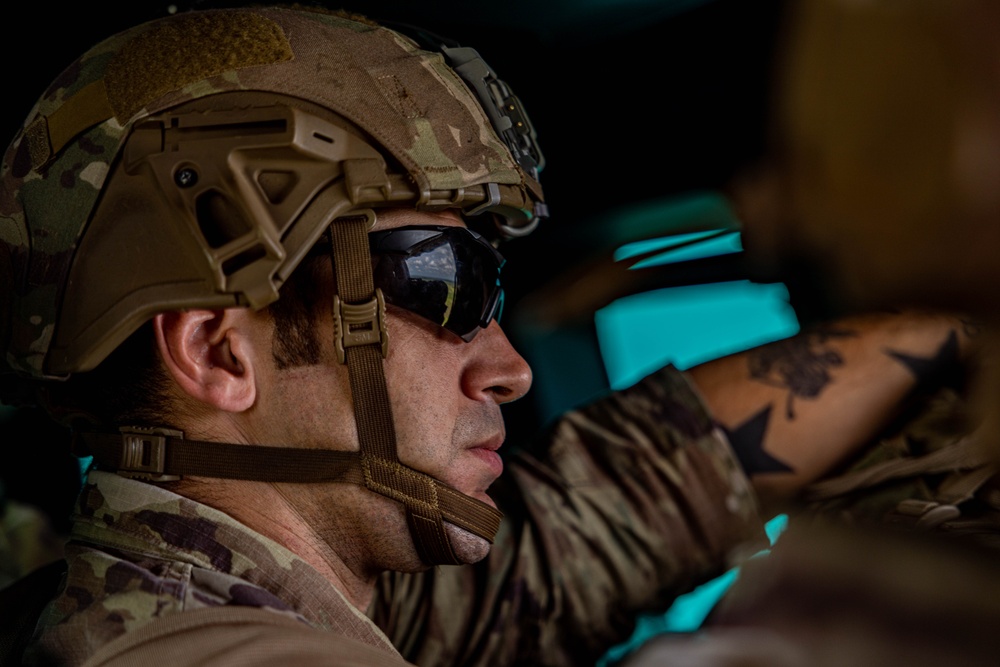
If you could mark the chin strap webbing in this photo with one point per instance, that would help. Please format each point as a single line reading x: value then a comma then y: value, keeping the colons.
x: 383, y: 473
x: 359, y: 319
x: 162, y: 455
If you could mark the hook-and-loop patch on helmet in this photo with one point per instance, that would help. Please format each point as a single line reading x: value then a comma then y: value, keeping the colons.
x: 191, y: 161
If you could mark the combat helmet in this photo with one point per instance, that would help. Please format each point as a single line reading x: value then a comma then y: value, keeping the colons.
x: 193, y: 161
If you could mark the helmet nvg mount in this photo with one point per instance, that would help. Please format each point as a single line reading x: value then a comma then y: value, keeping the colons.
x: 193, y: 161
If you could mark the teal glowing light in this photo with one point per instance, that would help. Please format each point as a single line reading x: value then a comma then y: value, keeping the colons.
x: 681, y: 248
x: 689, y: 611
x: 684, y: 326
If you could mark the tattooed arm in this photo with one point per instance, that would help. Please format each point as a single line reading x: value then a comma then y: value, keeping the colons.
x: 797, y: 408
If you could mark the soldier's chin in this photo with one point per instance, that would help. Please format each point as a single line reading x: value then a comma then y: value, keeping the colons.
x: 468, y: 548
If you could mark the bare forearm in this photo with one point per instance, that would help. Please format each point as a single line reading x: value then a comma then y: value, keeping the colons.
x: 797, y: 408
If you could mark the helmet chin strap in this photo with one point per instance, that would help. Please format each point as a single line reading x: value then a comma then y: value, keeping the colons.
x: 359, y: 329
x: 361, y: 341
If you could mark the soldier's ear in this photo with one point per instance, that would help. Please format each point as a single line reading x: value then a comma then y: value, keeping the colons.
x: 210, y: 355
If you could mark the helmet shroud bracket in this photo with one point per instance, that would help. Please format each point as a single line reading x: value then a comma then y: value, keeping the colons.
x: 249, y: 182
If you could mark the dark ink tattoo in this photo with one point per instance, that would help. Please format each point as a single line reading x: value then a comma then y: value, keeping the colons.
x: 942, y: 369
x: 747, y: 441
x: 801, y: 364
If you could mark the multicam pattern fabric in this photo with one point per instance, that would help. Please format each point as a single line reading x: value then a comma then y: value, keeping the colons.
x: 620, y: 507
x: 929, y: 473
x: 417, y: 109
x: 624, y: 505
x: 829, y: 595
x: 138, y: 552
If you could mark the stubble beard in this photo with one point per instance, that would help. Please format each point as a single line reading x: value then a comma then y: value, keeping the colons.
x: 473, y: 426
x: 467, y: 547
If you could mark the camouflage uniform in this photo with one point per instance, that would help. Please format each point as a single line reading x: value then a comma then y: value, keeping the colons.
x: 626, y: 503
x: 832, y: 595
x: 138, y: 552
x: 931, y: 473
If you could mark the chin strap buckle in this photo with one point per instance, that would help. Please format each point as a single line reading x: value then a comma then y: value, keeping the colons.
x: 359, y: 324
x: 144, y: 453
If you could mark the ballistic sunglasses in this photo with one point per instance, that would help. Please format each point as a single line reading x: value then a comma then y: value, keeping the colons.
x: 448, y: 275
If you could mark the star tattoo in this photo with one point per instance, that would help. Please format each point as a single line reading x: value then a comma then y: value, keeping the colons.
x: 942, y: 369
x: 747, y: 441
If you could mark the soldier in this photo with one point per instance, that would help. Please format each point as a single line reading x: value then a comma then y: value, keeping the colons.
x: 240, y: 259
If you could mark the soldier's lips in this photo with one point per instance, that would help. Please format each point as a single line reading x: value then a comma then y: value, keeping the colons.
x: 486, y: 452
x: 490, y: 458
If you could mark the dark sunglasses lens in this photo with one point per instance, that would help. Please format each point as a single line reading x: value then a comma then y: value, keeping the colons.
x: 447, y: 275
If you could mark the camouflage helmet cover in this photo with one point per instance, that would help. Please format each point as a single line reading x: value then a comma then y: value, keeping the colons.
x: 97, y: 185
